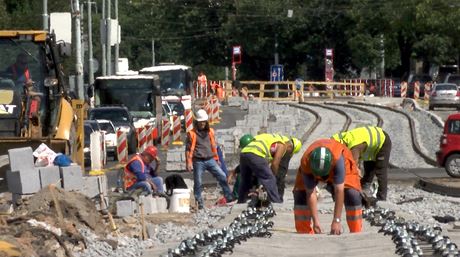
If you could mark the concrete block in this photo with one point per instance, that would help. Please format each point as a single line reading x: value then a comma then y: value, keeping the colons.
x: 21, y: 158
x: 25, y: 181
x: 91, y: 186
x: 72, y: 178
x: 150, y: 204
x: 235, y: 101
x: 162, y: 205
x: 49, y: 175
x: 124, y: 208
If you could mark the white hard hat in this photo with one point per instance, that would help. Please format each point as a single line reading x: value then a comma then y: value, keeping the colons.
x: 201, y: 115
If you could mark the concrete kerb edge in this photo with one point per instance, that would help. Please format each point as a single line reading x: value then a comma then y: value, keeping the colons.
x: 435, y: 118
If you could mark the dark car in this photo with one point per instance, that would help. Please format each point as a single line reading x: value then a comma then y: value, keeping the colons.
x: 422, y: 79
x: 396, y: 87
x: 121, y: 119
x: 453, y: 78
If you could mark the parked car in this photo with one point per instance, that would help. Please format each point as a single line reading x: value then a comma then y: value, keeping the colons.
x: 121, y: 119
x: 453, y: 78
x: 444, y: 95
x: 110, y: 137
x: 448, y: 155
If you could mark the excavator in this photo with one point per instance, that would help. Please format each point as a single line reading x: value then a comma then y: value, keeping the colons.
x: 35, y: 106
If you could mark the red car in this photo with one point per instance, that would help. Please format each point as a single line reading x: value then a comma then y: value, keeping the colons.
x: 448, y: 155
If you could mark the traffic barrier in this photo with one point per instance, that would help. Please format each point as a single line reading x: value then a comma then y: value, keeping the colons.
x: 122, y: 146
x: 141, y: 139
x: 149, y: 136
x: 97, y: 151
x: 165, y: 129
x: 176, y: 130
x: 215, y: 111
x: 426, y: 97
x: 403, y: 89
x: 188, y: 120
x: 416, y: 90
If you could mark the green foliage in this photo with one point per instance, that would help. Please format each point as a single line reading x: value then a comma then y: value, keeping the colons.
x: 201, y: 33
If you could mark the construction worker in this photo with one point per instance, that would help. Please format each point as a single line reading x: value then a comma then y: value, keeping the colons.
x: 20, y: 71
x: 201, y: 155
x: 137, y: 171
x: 235, y: 173
x: 372, y: 145
x: 202, y: 85
x: 262, y: 158
x: 331, y: 162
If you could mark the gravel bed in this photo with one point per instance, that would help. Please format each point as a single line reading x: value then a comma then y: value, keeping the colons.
x: 331, y: 122
x: 402, y: 153
x: 428, y: 132
x: 358, y: 118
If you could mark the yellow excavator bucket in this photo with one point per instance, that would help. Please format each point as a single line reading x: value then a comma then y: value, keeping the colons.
x: 9, y: 249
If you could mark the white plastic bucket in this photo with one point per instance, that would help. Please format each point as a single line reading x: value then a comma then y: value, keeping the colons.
x: 180, y: 201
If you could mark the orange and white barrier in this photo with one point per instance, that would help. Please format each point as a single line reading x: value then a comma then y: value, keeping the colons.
x: 416, y: 90
x: 176, y: 130
x: 426, y: 97
x: 122, y: 146
x: 215, y: 111
x: 403, y: 89
x: 141, y: 139
x: 188, y: 120
x: 165, y: 129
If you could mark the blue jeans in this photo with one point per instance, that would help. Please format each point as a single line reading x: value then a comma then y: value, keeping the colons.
x: 142, y: 184
x: 199, y: 166
x: 158, y: 181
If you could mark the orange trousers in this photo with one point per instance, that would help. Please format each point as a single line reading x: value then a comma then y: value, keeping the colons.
x: 303, y: 215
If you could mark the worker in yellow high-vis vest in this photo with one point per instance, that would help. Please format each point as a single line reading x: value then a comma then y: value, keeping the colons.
x: 372, y: 145
x: 262, y: 158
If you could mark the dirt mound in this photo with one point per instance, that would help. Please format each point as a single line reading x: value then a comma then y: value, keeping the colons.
x: 36, y: 229
x: 76, y: 208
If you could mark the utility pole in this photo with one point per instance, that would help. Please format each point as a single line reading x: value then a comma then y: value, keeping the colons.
x: 382, y: 65
x: 90, y: 46
x: 78, y: 62
x: 117, y: 47
x: 103, y: 34
x: 153, y: 52
x: 108, y: 42
x: 45, y: 15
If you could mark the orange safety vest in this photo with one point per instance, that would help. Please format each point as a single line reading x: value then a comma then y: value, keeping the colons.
x: 14, y: 68
x: 337, y: 149
x: 202, y: 80
x: 192, y: 135
x: 129, y: 178
x: 302, y: 213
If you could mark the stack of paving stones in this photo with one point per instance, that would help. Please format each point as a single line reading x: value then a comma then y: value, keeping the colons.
x: 175, y: 158
x: 151, y: 205
x: 24, y: 179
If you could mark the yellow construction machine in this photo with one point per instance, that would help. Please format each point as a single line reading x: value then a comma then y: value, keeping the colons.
x: 34, y: 104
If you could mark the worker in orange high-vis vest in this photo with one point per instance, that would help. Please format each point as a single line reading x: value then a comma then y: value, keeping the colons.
x: 136, y: 173
x: 202, y: 84
x: 19, y: 70
x: 201, y: 154
x: 331, y: 162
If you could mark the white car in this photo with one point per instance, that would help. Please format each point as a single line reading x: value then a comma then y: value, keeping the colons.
x: 110, y: 137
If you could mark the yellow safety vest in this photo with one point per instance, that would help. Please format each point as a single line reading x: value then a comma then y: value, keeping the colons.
x: 261, y: 144
x: 371, y: 135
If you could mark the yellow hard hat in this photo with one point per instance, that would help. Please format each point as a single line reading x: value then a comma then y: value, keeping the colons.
x: 296, y: 145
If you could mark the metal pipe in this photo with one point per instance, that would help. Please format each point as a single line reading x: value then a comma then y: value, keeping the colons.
x: 108, y: 42
x: 103, y: 34
x: 117, y: 47
x: 90, y: 46
x: 45, y: 15
x: 78, y: 62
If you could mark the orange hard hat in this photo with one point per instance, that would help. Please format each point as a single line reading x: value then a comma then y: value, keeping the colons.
x: 152, y: 151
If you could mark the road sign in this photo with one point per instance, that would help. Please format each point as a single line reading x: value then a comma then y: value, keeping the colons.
x: 276, y: 72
